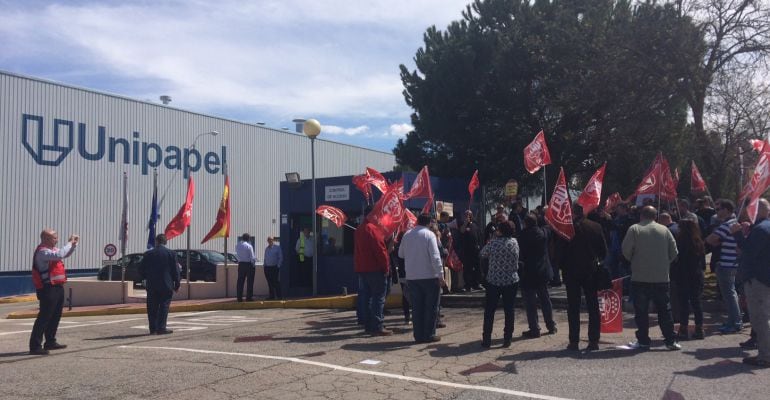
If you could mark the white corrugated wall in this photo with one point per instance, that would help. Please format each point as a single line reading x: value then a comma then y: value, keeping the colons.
x: 84, y: 197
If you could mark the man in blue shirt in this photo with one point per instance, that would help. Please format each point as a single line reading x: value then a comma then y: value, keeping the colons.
x: 273, y: 261
x: 728, y: 265
x: 246, y: 260
x: 754, y: 275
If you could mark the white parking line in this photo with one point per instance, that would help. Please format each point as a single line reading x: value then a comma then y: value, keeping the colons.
x: 358, y: 371
x: 76, y: 326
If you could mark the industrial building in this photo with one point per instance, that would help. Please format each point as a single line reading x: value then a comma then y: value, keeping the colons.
x: 64, y: 150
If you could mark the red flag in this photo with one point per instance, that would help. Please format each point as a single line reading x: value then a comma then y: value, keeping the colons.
x: 362, y: 183
x: 409, y: 221
x: 611, y: 307
x: 559, y: 212
x: 536, y: 154
x: 658, y: 180
x: 612, y: 202
x: 376, y: 179
x: 181, y: 221
x: 221, y: 226
x: 592, y: 194
x: 420, y: 186
x: 453, y: 260
x: 697, y: 183
x: 333, y: 214
x: 428, y: 205
x: 759, y: 182
x: 757, y: 144
x: 474, y: 183
x: 398, y: 186
x: 388, y: 212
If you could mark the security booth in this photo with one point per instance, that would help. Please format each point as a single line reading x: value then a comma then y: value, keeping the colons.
x: 334, y: 249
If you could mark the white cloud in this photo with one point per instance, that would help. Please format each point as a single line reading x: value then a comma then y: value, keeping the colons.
x: 399, y: 130
x: 337, y: 130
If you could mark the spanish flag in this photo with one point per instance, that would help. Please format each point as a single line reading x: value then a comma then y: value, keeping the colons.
x: 221, y: 227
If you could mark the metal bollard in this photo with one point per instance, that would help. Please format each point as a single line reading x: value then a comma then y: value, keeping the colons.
x: 69, y: 300
x: 344, y: 290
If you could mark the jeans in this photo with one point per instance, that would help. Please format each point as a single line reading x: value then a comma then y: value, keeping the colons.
x: 158, y: 302
x: 362, y: 301
x: 47, y: 322
x: 246, y: 274
x: 659, y: 293
x: 587, y: 286
x: 530, y: 298
x: 271, y: 276
x: 758, y: 298
x: 689, y: 293
x: 493, y: 294
x: 374, y: 305
x: 726, y: 279
x: 424, y: 296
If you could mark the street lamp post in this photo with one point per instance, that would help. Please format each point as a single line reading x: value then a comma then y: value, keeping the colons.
x: 312, y: 129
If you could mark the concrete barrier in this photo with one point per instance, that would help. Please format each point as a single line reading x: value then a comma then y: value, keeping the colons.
x: 91, y: 292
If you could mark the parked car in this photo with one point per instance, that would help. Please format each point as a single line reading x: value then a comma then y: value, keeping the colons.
x: 203, y: 264
x: 232, y: 258
x: 131, y: 262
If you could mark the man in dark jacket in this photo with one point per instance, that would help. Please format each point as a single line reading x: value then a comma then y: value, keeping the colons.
x: 470, y: 245
x: 577, y: 259
x: 159, y: 268
x: 535, y: 273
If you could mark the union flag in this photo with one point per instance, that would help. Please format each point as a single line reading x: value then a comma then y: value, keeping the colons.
x: 592, y: 194
x: 536, y: 154
x: 559, y: 212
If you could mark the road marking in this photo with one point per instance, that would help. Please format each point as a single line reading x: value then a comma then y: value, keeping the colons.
x: 176, y: 328
x: 358, y: 371
x: 77, y: 326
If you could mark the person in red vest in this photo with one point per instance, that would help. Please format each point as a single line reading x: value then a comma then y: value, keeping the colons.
x: 49, y: 276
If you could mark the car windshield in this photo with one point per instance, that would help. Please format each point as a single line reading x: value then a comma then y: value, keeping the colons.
x: 213, y: 256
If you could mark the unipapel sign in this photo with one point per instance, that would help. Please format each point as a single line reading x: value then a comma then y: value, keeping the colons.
x: 51, y: 144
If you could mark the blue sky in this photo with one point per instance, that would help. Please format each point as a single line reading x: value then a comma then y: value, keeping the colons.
x: 253, y: 61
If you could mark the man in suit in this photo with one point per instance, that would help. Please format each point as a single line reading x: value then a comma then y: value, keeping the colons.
x: 159, y: 268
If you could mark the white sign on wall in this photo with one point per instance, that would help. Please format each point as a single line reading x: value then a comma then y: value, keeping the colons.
x: 337, y: 193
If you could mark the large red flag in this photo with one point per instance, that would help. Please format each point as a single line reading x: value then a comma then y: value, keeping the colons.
x: 697, y: 183
x: 420, y: 186
x: 592, y: 194
x: 388, y: 212
x: 612, y: 202
x: 760, y: 181
x: 333, y: 214
x: 376, y: 179
x: 474, y: 183
x: 536, y: 154
x: 757, y: 144
x: 559, y: 212
x: 658, y: 180
x: 409, y: 221
x: 221, y: 226
x: 183, y: 217
x: 611, y: 307
x: 362, y: 183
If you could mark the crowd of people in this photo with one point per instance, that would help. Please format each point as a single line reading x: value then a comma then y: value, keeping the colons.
x: 659, y: 252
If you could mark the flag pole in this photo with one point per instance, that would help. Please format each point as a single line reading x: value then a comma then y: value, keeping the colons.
x: 227, y: 294
x: 545, y: 188
x: 124, y: 235
x: 187, y: 262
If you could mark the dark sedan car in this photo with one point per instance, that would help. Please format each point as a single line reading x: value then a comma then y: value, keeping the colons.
x: 203, y: 264
x: 131, y: 262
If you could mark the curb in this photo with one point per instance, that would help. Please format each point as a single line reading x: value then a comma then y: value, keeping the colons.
x: 24, y: 298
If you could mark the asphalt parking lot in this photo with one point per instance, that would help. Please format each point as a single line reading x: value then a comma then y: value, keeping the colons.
x: 323, y: 354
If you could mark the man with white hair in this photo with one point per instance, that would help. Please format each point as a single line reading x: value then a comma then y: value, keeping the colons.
x: 754, y: 274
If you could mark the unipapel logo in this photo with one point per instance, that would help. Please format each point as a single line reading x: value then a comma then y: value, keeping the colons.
x: 47, y: 152
x: 51, y: 150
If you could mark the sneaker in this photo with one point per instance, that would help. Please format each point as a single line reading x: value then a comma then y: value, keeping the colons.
x: 638, y: 346
x: 531, y: 334
x: 592, y: 346
x: 54, y: 346
x: 673, y: 346
x: 433, y: 339
x: 749, y: 344
x: 729, y: 329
